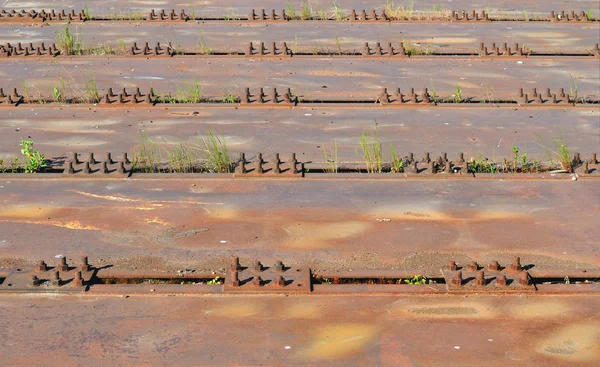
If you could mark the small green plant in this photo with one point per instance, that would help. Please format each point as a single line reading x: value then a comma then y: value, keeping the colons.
x: 337, y: 10
x: 370, y: 145
x: 434, y: 96
x: 14, y: 165
x: 2, y: 168
x: 228, y: 98
x: 567, y: 280
x: 574, y: 89
x: 189, y: 93
x: 397, y: 163
x: 331, y: 158
x: 417, y: 279
x: 66, y: 43
x: 33, y: 159
x: 458, y: 97
x: 338, y: 43
x: 290, y: 10
x: 413, y: 49
x: 515, y: 150
x: 91, y: 91
x: 526, y: 15
x: 146, y: 155
x: 58, y: 97
x: 216, y: 280
x: 216, y: 153
x: 481, y: 165
x: 204, y: 46
x: 86, y: 12
x: 561, y: 152
x: 306, y: 10
x: 181, y: 158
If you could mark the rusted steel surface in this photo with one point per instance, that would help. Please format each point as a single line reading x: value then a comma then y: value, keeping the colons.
x: 199, y: 223
x: 235, y: 8
x: 308, y: 38
x: 310, y: 78
x: 396, y: 330
x: 475, y: 131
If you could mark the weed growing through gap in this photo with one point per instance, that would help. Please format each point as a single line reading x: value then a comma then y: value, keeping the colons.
x: 181, y: 158
x: 290, y: 10
x: 561, y: 152
x: 204, y: 46
x: 417, y: 279
x: 338, y: 43
x: 397, y: 164
x: 33, y: 159
x: 216, y: 153
x: 306, y: 10
x: 331, y: 158
x: 66, y: 43
x: 87, y: 13
x: 370, y: 145
x: 228, y: 98
x: 216, y: 280
x: 337, y: 10
x: 146, y: 155
x: 91, y: 91
x: 573, y: 89
x: 413, y: 49
x: 59, y: 92
x: 458, y: 97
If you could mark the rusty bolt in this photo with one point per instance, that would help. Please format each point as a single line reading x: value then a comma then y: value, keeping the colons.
x: 279, y: 281
x: 77, y: 280
x: 452, y: 265
x: 257, y: 281
x: 34, y: 281
x: 235, y: 264
x: 235, y: 281
x: 494, y: 266
x: 593, y: 159
x: 473, y: 266
x: 279, y: 266
x: 480, y: 278
x: 258, y: 266
x: 524, y: 278
x: 457, y: 280
x: 516, y: 265
x: 86, y: 168
x: 55, y: 280
x: 84, y: 266
x: 41, y: 266
x: 62, y: 264
x: 501, y: 280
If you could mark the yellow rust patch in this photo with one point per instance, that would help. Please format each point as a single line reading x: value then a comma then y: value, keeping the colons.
x: 439, y: 216
x: 26, y: 211
x: 337, y: 341
x: 153, y: 202
x: 574, y: 343
x: 315, y: 235
x: 70, y: 224
x: 236, y: 309
x: 539, y: 309
x: 304, y: 310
